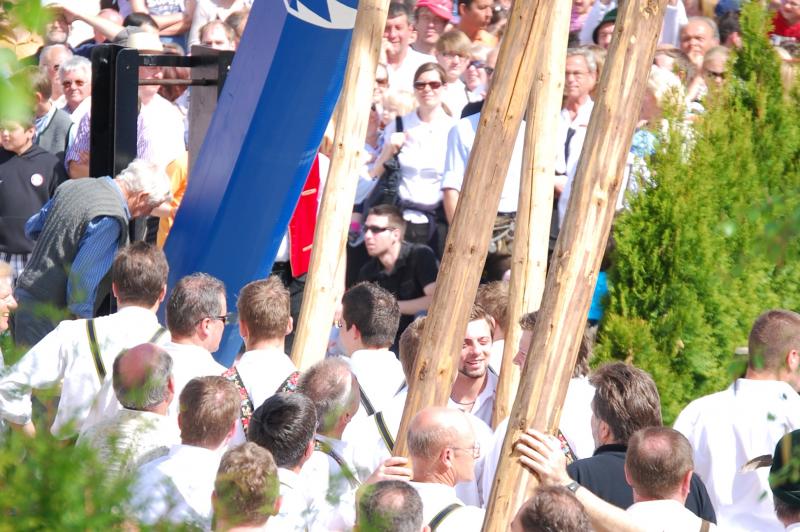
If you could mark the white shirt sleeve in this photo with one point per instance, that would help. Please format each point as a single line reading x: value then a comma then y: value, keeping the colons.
x: 594, y: 17
x: 455, y: 162
x: 674, y: 18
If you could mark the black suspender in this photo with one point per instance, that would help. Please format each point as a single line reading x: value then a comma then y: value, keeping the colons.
x: 94, y: 347
x: 386, y: 435
x: 324, y: 447
x: 442, y: 515
x: 365, y: 401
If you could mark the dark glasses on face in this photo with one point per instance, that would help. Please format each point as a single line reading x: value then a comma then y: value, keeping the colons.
x: 420, y: 85
x: 480, y: 64
x: 376, y: 229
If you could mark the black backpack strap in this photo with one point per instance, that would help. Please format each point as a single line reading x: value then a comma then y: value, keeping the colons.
x: 157, y: 335
x: 386, y: 436
x: 442, y: 515
x: 95, y: 349
x: 245, y: 403
x: 323, y: 447
x: 365, y: 401
x: 398, y: 124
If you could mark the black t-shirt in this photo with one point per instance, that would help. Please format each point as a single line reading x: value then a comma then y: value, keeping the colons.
x: 27, y: 181
x: 415, y: 269
x: 604, y: 475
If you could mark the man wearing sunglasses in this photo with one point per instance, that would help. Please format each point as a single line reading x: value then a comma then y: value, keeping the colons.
x: 408, y: 271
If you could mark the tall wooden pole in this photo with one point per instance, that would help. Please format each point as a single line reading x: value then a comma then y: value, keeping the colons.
x: 471, y: 231
x: 333, y: 220
x: 579, y: 250
x: 532, y: 232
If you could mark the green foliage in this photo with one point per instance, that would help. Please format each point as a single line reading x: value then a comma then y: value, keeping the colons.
x: 711, y: 243
x: 46, y: 484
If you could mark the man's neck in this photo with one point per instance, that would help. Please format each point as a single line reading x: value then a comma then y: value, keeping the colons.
x: 389, y: 258
x: 429, y: 475
x: 467, y: 389
x: 161, y: 409
x: 121, y: 305
x: 423, y: 48
x: 43, y: 107
x: 469, y: 30
x: 271, y: 344
x: 188, y: 340
x: 573, y: 106
x: 395, y: 60
x: 675, y: 496
x: 755, y: 375
x: 222, y: 526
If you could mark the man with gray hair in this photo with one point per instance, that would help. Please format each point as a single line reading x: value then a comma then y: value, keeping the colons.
x: 698, y: 36
x: 443, y: 451
x: 197, y: 313
x: 389, y: 506
x: 141, y: 430
x: 50, y: 60
x: 75, y: 77
x: 77, y: 234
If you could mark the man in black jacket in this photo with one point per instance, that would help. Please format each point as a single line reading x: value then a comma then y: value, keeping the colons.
x: 626, y: 399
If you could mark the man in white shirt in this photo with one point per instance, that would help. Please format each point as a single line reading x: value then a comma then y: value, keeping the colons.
x: 141, y: 430
x: 68, y: 357
x: 402, y: 61
x: 196, y: 316
x: 330, y: 472
x: 264, y: 322
x: 389, y: 506
x: 443, y: 450
x: 370, y: 317
x: 729, y: 428
x: 285, y: 425
x: 246, y: 490
x: 177, y: 488
x: 431, y: 17
x: 475, y: 386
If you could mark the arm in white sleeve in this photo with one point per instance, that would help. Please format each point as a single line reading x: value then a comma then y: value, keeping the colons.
x: 674, y: 18
x: 599, y: 10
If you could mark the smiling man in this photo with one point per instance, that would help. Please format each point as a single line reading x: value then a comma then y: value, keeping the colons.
x: 401, y: 60
x: 408, y: 271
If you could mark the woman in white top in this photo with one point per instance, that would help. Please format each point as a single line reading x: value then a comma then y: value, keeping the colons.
x: 421, y: 148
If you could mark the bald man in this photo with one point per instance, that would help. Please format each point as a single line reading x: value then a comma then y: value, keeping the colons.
x: 443, y: 452
x: 698, y: 36
x: 141, y: 430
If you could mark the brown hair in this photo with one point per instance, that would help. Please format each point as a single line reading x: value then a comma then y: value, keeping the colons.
x: 394, y: 215
x: 40, y: 82
x: 209, y: 406
x: 454, y: 41
x: 657, y: 460
x: 246, y: 486
x: 528, y: 322
x: 493, y: 297
x: 409, y: 345
x: 431, y: 67
x: 263, y: 307
x: 774, y: 334
x: 374, y: 311
x: 553, y: 508
x: 625, y: 398
x: 139, y: 274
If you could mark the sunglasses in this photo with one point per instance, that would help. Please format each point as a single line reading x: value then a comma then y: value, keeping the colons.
x: 375, y: 229
x: 480, y: 64
x: 434, y: 85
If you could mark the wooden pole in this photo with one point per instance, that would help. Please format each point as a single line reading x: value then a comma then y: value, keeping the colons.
x: 532, y: 231
x: 579, y: 250
x: 471, y: 231
x: 333, y: 220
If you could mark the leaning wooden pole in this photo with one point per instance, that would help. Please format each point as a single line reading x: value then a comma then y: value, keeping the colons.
x: 333, y: 219
x: 471, y: 230
x: 579, y: 249
x: 532, y: 231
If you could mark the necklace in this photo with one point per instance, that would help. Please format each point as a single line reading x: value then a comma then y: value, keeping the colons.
x: 465, y: 404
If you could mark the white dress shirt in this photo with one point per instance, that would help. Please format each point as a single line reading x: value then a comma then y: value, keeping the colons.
x: 665, y: 516
x: 674, y: 18
x: 63, y: 356
x: 436, y: 497
x: 189, y: 361
x: 131, y: 438
x: 570, y: 165
x: 262, y: 372
x: 329, y: 487
x: 729, y: 428
x: 379, y: 374
x: 459, y: 145
x: 484, y: 403
x: 177, y: 487
x: 575, y: 424
x: 298, y: 511
x: 401, y: 77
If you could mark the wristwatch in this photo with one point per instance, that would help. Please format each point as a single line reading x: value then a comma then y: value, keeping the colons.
x: 573, y: 486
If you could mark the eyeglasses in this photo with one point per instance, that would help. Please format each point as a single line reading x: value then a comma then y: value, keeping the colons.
x: 454, y: 55
x: 382, y: 82
x: 475, y: 450
x: 230, y: 317
x: 715, y: 75
x: 375, y: 229
x: 477, y: 65
x: 76, y: 82
x: 434, y: 85
x: 576, y: 74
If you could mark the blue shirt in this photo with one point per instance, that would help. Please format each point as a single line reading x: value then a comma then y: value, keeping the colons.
x: 96, y: 250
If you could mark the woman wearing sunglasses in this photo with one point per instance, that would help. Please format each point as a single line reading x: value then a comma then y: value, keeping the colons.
x: 420, y: 148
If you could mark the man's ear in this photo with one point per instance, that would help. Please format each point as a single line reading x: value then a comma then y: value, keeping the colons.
x: 627, y: 475
x: 793, y: 360
x: 461, y: 9
x: 243, y: 332
x: 114, y: 290
x: 278, y: 503
x: 162, y: 295
x: 289, y: 326
x: 309, y: 450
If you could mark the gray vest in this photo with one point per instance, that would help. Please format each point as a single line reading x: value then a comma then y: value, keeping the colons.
x: 75, y: 204
x: 55, y: 136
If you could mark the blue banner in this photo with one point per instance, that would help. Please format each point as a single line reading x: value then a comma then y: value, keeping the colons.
x: 269, y: 121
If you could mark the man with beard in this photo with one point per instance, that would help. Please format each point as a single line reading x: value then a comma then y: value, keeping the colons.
x: 475, y: 386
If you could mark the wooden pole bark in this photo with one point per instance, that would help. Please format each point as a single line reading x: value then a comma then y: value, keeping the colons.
x: 471, y: 231
x: 333, y: 220
x: 532, y: 231
x: 579, y: 250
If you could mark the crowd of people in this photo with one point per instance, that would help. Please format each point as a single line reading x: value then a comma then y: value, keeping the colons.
x: 261, y: 445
